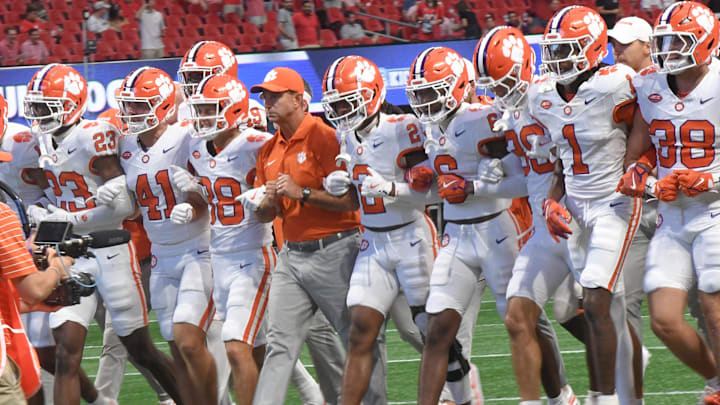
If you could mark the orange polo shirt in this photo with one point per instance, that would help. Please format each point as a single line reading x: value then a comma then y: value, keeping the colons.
x: 307, y: 157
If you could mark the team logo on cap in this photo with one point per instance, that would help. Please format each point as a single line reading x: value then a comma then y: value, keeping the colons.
x: 655, y: 98
x: 301, y: 157
x: 270, y: 76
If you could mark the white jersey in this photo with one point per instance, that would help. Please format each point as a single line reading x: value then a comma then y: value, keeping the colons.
x: 383, y: 149
x: 149, y: 177
x: 69, y: 165
x: 590, y: 131
x: 460, y: 151
x: 256, y: 118
x: 25, y: 152
x: 538, y: 172
x: 225, y: 175
x: 683, y: 130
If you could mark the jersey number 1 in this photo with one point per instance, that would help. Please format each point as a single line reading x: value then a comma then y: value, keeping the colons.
x: 578, y: 166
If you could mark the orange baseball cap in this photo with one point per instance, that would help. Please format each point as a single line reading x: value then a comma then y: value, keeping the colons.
x: 280, y: 79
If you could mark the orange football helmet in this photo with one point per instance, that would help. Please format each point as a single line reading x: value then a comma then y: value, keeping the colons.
x: 574, y: 42
x: 686, y: 34
x: 111, y: 117
x: 353, y: 90
x: 56, y: 96
x: 438, y: 83
x: 505, y: 62
x: 145, y: 98
x: 204, y: 59
x: 220, y: 102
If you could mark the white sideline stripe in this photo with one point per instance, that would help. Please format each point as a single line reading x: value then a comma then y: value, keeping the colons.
x: 498, y: 324
x: 475, y: 356
x: 579, y: 396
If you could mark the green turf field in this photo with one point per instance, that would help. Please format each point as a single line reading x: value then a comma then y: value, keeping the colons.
x: 667, y: 381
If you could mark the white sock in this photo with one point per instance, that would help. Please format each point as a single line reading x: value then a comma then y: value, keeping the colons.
x: 101, y: 400
x: 713, y: 383
x: 533, y: 402
x: 607, y: 400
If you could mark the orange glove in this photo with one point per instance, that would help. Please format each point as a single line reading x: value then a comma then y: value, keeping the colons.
x: 633, y: 181
x: 666, y: 189
x: 451, y: 187
x: 557, y: 219
x: 419, y: 178
x: 693, y: 183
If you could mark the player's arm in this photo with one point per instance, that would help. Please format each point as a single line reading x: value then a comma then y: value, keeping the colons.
x: 287, y: 187
x: 510, y: 184
x: 123, y: 204
x: 557, y: 189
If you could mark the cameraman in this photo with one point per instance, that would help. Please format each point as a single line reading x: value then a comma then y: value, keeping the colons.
x: 21, y: 286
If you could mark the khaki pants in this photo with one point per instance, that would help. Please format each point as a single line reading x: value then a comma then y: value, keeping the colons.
x: 11, y: 392
x: 153, y: 53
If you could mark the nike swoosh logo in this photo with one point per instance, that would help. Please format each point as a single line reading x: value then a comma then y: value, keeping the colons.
x: 458, y: 133
x: 110, y: 257
x: 714, y: 214
x: 168, y: 149
x: 499, y: 241
x: 590, y: 101
x: 706, y: 100
x: 69, y: 151
x: 202, y: 252
x: 376, y: 144
x: 242, y: 266
x: 615, y: 204
x: 416, y: 242
x: 372, y: 186
x: 544, y: 143
x: 231, y: 158
x: 449, y: 183
x: 270, y: 162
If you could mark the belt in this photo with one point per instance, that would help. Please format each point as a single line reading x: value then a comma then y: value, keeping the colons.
x: 474, y: 220
x: 387, y: 228
x: 317, y: 244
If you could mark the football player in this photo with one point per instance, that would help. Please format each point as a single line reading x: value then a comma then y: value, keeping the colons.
x: 505, y: 64
x: 587, y: 110
x: 176, y: 223
x: 223, y: 155
x: 399, y: 240
x: 481, y: 235
x: 80, y: 156
x: 207, y: 58
x: 677, y: 100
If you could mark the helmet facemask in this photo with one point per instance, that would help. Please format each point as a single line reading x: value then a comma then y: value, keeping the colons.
x: 672, y: 51
x: 432, y: 101
x: 569, y: 52
x: 347, y: 111
x: 46, y: 114
x: 138, y: 113
x: 209, y: 117
x: 515, y: 88
x: 191, y: 76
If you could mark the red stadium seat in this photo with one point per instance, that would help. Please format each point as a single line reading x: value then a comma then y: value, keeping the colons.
x: 56, y: 16
x: 271, y: 16
x: 231, y: 31
x: 31, y: 61
x: 346, y: 42
x: 233, y: 18
x: 110, y: 35
x: 76, y: 14
x: 374, y: 25
x: 385, y: 40
x: 335, y: 15
x: 213, y: 19
x: 328, y: 38
x: 250, y: 29
x: 126, y: 51
x: 267, y: 43
x: 193, y: 20
x: 134, y: 37
x: 243, y: 49
x: 58, y: 5
x: 60, y: 51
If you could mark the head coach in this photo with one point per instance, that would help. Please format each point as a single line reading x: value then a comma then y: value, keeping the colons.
x: 321, y: 232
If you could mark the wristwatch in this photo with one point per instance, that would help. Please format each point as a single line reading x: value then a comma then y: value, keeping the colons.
x: 305, y: 194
